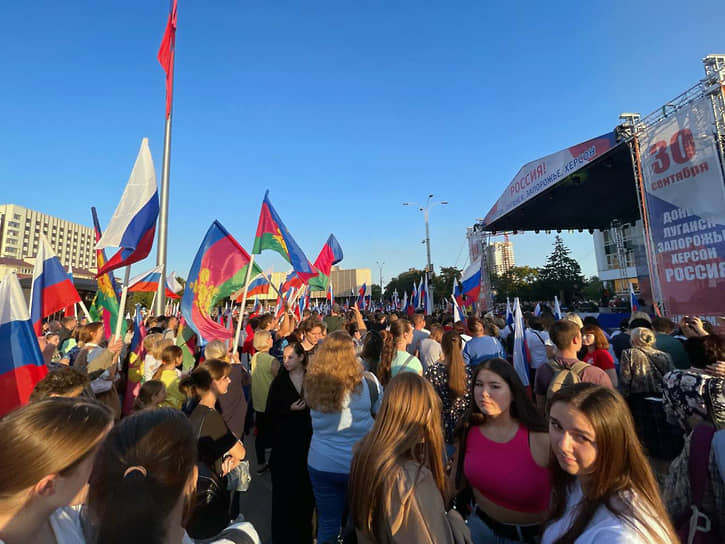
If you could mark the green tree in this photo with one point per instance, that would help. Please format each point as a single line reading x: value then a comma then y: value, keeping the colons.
x: 593, y: 289
x: 375, y: 291
x: 561, y: 274
x: 403, y: 283
x: 442, y: 282
x: 517, y: 281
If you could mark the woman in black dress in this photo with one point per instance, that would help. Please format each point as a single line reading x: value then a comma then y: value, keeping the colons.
x: 289, y: 417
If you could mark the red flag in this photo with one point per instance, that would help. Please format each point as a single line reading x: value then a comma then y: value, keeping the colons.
x: 166, y: 56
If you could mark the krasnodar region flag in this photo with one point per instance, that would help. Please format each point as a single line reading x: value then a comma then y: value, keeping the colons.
x: 21, y: 363
x: 219, y: 269
x: 330, y: 255
x: 273, y: 234
x: 106, y: 302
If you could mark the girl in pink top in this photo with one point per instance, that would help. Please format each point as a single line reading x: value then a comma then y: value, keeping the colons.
x: 502, y: 453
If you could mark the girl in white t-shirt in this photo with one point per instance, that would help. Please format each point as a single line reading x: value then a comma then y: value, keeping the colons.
x: 603, y: 488
x: 47, y: 449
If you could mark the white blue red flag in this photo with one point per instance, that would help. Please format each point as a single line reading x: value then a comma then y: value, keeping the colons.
x: 471, y: 281
x: 330, y: 293
x: 557, y: 309
x: 509, y: 314
x: 361, y: 296
x: 21, y: 363
x: 633, y: 302
x: 52, y: 289
x: 521, y: 364
x: 457, y: 313
x: 133, y: 224
x: 148, y: 282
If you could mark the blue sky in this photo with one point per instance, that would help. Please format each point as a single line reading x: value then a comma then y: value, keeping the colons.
x: 343, y: 110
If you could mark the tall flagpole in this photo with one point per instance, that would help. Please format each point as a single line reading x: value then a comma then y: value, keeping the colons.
x: 165, y: 167
x: 238, y: 331
x: 163, y: 218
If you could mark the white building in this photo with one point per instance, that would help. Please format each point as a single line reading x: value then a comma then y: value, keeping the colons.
x: 615, y: 250
x: 20, y: 230
x: 500, y: 257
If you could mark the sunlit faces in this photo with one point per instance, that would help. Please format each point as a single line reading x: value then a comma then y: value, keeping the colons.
x: 292, y: 361
x: 588, y: 339
x: 572, y: 439
x: 491, y: 393
x: 222, y: 385
x: 314, y: 335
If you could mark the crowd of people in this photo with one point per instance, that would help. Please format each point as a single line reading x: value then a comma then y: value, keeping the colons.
x: 374, y: 427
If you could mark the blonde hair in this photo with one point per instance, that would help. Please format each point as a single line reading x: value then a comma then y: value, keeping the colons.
x: 574, y: 318
x: 408, y: 427
x: 333, y: 372
x: 150, y: 341
x: 159, y: 346
x: 261, y: 340
x: 642, y: 337
x: 215, y: 349
x: 51, y: 436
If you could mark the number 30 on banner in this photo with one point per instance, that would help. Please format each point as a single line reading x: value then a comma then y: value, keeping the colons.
x: 681, y: 148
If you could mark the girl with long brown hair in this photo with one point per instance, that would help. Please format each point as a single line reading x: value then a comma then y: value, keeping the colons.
x: 47, y: 450
x: 451, y: 379
x: 502, y: 452
x: 603, y: 486
x: 397, y: 481
x: 395, y: 358
x: 342, y: 401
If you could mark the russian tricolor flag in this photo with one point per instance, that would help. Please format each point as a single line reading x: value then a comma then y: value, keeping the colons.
x: 471, y: 280
x: 52, y: 289
x: 258, y: 286
x: 133, y: 224
x: 521, y: 355
x: 330, y: 293
x: 633, y: 302
x: 21, y: 363
x: 361, y: 296
x: 148, y: 282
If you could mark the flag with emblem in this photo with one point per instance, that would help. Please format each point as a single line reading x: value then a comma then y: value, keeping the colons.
x: 273, y: 234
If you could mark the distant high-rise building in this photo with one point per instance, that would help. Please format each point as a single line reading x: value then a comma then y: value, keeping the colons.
x: 20, y: 230
x: 500, y: 257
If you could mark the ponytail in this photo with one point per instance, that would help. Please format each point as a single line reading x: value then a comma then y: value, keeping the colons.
x: 197, y: 383
x: 141, y: 471
x: 386, y: 357
x: 451, y: 346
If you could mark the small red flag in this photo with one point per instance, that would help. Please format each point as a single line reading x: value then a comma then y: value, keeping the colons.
x: 166, y: 56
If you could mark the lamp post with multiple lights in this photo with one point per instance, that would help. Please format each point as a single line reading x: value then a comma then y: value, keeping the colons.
x: 429, y: 204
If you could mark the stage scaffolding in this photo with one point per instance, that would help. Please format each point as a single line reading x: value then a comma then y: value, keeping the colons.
x: 634, y: 126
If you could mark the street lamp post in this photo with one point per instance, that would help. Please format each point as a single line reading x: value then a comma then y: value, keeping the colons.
x: 380, y: 269
x: 426, y: 214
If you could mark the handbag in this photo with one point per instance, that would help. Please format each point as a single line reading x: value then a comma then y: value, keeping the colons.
x: 695, y: 526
